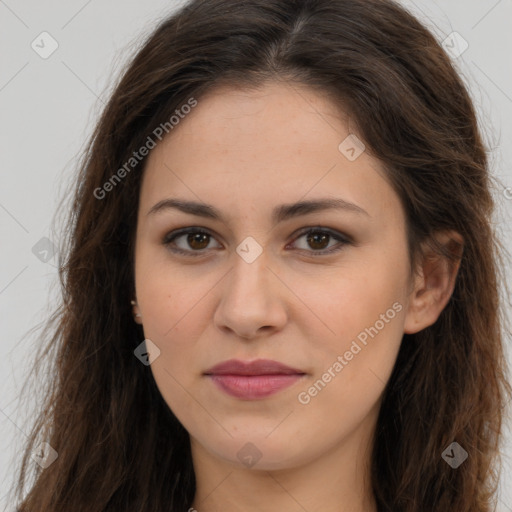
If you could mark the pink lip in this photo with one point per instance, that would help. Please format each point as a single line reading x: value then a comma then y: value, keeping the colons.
x: 253, y: 380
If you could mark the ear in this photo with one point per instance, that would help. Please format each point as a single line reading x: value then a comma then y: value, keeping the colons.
x: 136, y: 312
x: 434, y: 282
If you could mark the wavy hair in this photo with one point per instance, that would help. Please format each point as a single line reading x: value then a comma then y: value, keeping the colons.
x: 119, y: 445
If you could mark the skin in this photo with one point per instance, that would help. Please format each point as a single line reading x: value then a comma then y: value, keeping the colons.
x: 245, y: 152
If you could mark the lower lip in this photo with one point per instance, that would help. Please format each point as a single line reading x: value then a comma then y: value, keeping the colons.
x: 252, y: 387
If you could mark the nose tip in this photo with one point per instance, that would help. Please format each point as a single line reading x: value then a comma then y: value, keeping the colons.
x: 250, y: 304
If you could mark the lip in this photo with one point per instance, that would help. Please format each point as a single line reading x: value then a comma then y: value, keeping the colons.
x: 253, y: 379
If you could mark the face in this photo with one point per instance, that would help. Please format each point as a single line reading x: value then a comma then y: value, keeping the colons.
x: 322, y: 290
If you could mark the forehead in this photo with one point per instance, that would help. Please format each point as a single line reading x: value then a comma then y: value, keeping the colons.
x: 247, y: 150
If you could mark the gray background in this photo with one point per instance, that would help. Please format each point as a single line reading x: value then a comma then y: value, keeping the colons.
x: 48, y: 107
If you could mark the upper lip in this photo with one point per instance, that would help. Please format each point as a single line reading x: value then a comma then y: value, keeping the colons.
x: 257, y: 367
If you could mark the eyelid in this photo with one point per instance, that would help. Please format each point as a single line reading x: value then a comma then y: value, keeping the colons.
x: 340, y: 237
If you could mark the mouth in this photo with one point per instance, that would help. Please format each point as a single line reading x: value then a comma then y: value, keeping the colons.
x: 253, y: 380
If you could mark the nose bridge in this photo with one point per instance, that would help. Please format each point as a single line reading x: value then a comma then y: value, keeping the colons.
x: 249, y: 300
x: 250, y: 272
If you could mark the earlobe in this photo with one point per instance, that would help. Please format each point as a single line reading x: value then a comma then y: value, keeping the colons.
x: 137, y: 317
x: 434, y: 282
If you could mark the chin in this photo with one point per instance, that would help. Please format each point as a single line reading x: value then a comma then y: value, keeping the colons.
x: 259, y: 452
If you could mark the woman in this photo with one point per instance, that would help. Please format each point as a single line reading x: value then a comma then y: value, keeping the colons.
x: 281, y: 290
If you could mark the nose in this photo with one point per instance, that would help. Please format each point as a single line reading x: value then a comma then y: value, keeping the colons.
x: 252, y: 300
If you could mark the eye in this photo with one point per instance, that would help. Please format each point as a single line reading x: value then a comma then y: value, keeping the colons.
x: 198, y: 240
x: 318, y: 238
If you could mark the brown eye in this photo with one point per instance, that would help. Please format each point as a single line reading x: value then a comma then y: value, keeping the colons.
x: 317, y: 241
x: 198, y: 240
x: 193, y: 241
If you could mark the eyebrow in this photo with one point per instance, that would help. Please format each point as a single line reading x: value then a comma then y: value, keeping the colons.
x: 279, y: 213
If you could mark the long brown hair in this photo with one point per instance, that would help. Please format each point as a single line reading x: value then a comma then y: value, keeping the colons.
x: 119, y: 445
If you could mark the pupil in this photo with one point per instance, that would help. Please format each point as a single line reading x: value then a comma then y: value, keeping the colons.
x: 196, y: 237
x: 313, y: 239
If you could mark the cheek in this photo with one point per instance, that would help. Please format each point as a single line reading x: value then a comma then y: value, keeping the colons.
x: 166, y: 297
x: 354, y: 365
x: 174, y: 314
x: 358, y: 300
x: 368, y: 337
x: 173, y: 319
x: 365, y: 313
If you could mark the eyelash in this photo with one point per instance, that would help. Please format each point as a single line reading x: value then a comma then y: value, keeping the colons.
x: 343, y: 239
